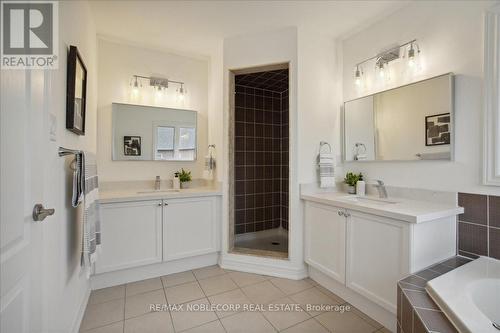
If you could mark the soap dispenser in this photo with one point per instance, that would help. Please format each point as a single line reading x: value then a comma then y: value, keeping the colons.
x: 176, y: 181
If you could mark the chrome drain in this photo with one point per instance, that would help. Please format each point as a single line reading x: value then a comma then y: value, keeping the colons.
x: 496, y: 325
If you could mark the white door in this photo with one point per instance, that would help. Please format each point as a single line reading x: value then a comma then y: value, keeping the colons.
x: 325, y: 234
x: 22, y: 147
x: 131, y: 235
x: 189, y: 227
x: 378, y: 246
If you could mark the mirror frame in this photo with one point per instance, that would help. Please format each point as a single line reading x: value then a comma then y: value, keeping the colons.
x: 451, y: 76
x: 114, y: 159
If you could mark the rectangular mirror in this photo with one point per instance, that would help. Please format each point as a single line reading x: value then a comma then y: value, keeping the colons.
x: 412, y: 122
x: 148, y: 133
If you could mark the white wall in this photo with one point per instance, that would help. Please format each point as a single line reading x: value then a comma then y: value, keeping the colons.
x: 317, y: 99
x: 117, y: 64
x: 450, y: 35
x: 66, y: 285
x: 313, y: 101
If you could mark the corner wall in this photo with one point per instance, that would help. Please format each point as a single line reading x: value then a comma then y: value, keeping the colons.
x: 450, y: 35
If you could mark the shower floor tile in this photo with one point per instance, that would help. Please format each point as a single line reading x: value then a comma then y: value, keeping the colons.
x: 267, y: 240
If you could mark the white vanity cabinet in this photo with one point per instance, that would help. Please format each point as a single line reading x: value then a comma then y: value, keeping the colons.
x: 377, y: 256
x: 368, y: 253
x: 137, y: 233
x: 189, y: 227
x: 131, y: 234
x: 325, y: 232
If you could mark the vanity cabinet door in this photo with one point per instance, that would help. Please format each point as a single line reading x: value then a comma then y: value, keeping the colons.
x: 325, y: 234
x: 131, y: 235
x: 377, y: 257
x: 189, y: 227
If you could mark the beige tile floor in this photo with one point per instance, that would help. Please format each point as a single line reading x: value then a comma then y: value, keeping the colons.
x: 126, y: 308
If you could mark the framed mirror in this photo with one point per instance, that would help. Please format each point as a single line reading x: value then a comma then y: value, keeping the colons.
x: 411, y: 122
x: 147, y: 133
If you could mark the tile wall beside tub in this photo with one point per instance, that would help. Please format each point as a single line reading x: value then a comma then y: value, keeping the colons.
x: 479, y: 225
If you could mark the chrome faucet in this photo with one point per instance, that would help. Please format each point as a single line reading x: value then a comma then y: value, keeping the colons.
x: 382, y: 191
x: 157, y: 183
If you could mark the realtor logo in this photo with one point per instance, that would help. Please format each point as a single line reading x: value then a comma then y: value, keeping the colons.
x: 29, y: 34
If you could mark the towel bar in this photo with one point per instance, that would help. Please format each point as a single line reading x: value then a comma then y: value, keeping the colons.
x: 65, y: 151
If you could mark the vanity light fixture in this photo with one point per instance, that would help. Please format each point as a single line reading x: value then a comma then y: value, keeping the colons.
x: 410, y: 49
x: 159, y: 84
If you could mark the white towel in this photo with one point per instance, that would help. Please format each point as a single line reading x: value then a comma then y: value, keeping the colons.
x: 86, y: 175
x: 326, y: 170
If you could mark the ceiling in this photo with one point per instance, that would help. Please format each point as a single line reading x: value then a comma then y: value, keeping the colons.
x: 276, y: 80
x: 198, y: 27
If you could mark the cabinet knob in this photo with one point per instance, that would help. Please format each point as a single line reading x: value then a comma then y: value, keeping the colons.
x: 340, y: 213
x: 160, y: 204
x: 165, y: 204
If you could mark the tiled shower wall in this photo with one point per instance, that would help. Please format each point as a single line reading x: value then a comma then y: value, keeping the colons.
x: 261, y: 159
x: 284, y: 159
x: 479, y: 225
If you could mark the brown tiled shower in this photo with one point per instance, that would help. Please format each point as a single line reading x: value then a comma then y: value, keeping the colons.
x: 261, y: 160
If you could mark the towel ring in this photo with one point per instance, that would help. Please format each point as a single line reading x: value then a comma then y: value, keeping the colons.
x: 324, y: 143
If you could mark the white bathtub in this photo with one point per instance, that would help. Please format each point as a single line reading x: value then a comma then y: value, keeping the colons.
x: 470, y: 295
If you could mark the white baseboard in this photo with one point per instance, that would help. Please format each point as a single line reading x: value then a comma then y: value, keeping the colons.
x: 81, y: 311
x: 375, y: 311
x: 110, y: 279
x: 265, y: 266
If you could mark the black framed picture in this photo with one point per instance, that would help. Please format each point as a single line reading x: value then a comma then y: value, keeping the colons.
x: 132, y: 145
x: 76, y: 92
x: 437, y: 129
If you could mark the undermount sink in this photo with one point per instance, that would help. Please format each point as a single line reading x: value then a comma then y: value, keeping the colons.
x: 158, y: 191
x: 373, y: 201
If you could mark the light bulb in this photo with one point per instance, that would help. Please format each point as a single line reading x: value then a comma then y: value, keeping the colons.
x: 181, y: 93
x: 158, y: 92
x: 135, y: 87
x: 381, y: 70
x: 357, y: 76
x: 413, y: 55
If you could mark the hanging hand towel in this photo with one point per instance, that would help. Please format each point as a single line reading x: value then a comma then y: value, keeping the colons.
x: 91, y: 212
x: 326, y: 170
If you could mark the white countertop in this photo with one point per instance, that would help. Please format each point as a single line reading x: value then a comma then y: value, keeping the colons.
x: 124, y: 195
x: 413, y: 211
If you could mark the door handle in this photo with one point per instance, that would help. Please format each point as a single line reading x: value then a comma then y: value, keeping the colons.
x: 40, y: 213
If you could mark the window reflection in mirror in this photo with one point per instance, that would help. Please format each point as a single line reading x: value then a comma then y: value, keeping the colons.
x: 163, y: 134
x: 164, y: 149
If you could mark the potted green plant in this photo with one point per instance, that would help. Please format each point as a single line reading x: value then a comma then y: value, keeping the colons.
x: 184, y: 178
x: 351, y: 179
